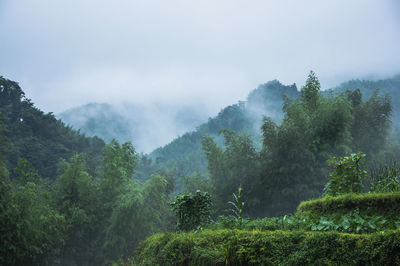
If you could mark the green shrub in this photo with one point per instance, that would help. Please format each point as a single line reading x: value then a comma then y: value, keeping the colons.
x: 353, y: 213
x: 347, y: 174
x: 239, y: 247
x: 385, y: 179
x: 192, y: 211
x: 286, y: 222
x: 383, y: 204
x: 351, y: 222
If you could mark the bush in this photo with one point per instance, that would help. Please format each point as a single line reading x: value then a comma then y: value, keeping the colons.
x: 386, y: 179
x: 268, y: 223
x: 238, y: 247
x: 355, y: 213
x: 347, y: 174
x: 384, y: 204
x: 192, y: 211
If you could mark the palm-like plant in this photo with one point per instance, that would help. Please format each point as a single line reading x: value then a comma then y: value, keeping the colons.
x: 237, y: 204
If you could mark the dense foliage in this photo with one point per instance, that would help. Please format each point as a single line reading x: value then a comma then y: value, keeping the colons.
x: 347, y: 174
x: 313, y: 236
x: 291, y: 165
x: 80, y: 219
x: 38, y: 137
x: 70, y: 200
x: 385, y: 204
x: 184, y: 155
x: 385, y: 179
x: 237, y: 247
x: 192, y: 211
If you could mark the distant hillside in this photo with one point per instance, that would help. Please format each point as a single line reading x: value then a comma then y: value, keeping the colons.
x: 390, y: 86
x: 38, y: 137
x: 184, y: 155
x: 98, y: 119
x: 146, y: 126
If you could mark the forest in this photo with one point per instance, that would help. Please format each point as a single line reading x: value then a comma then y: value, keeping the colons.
x: 283, y: 177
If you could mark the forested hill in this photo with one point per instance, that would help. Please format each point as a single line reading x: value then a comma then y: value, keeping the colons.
x: 184, y: 155
x: 38, y: 137
x: 99, y: 119
x: 147, y: 126
x: 390, y: 86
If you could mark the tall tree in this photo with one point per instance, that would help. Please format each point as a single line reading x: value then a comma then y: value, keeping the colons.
x: 237, y: 164
x: 79, y: 200
x: 119, y: 162
x: 310, y: 91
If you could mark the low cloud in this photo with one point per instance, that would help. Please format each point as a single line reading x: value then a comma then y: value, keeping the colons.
x: 68, y: 53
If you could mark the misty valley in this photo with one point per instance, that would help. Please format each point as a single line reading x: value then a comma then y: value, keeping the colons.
x: 288, y: 176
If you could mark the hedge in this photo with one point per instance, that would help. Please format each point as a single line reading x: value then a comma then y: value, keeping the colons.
x: 383, y: 204
x: 239, y: 247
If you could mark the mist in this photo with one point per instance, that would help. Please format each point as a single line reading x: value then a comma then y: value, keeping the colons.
x: 69, y: 53
x: 147, y: 126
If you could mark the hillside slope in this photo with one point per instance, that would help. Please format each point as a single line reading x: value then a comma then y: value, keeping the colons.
x: 38, y: 137
x: 147, y: 126
x: 184, y: 155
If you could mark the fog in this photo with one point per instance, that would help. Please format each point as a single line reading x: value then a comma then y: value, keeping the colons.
x: 208, y: 53
x: 147, y: 126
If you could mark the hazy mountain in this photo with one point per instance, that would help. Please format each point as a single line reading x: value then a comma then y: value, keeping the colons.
x: 390, y: 86
x: 184, y: 155
x: 150, y: 127
x: 39, y: 137
x: 147, y: 126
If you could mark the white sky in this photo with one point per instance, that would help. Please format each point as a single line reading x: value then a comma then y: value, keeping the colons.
x: 68, y: 53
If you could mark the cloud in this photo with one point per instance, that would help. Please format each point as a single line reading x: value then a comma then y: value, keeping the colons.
x: 66, y: 53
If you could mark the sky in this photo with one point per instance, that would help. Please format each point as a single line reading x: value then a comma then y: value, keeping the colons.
x: 209, y: 53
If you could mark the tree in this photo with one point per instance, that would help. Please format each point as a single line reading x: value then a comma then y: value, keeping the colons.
x: 237, y: 164
x: 119, y: 162
x: 79, y: 200
x: 372, y: 122
x: 294, y: 153
x: 38, y: 137
x: 139, y: 212
x: 196, y: 182
x: 310, y: 92
x: 35, y: 227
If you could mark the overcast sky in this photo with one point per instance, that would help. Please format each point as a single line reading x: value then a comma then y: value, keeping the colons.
x: 211, y: 52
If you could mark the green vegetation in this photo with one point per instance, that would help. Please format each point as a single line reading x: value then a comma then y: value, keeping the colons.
x: 192, y: 211
x: 369, y: 203
x: 238, y: 205
x: 386, y: 179
x: 87, y: 209
x: 80, y: 219
x: 244, y: 247
x: 290, y: 168
x: 184, y: 156
x: 347, y: 175
x: 291, y: 165
x: 38, y: 137
x: 342, y: 230
x: 71, y: 200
